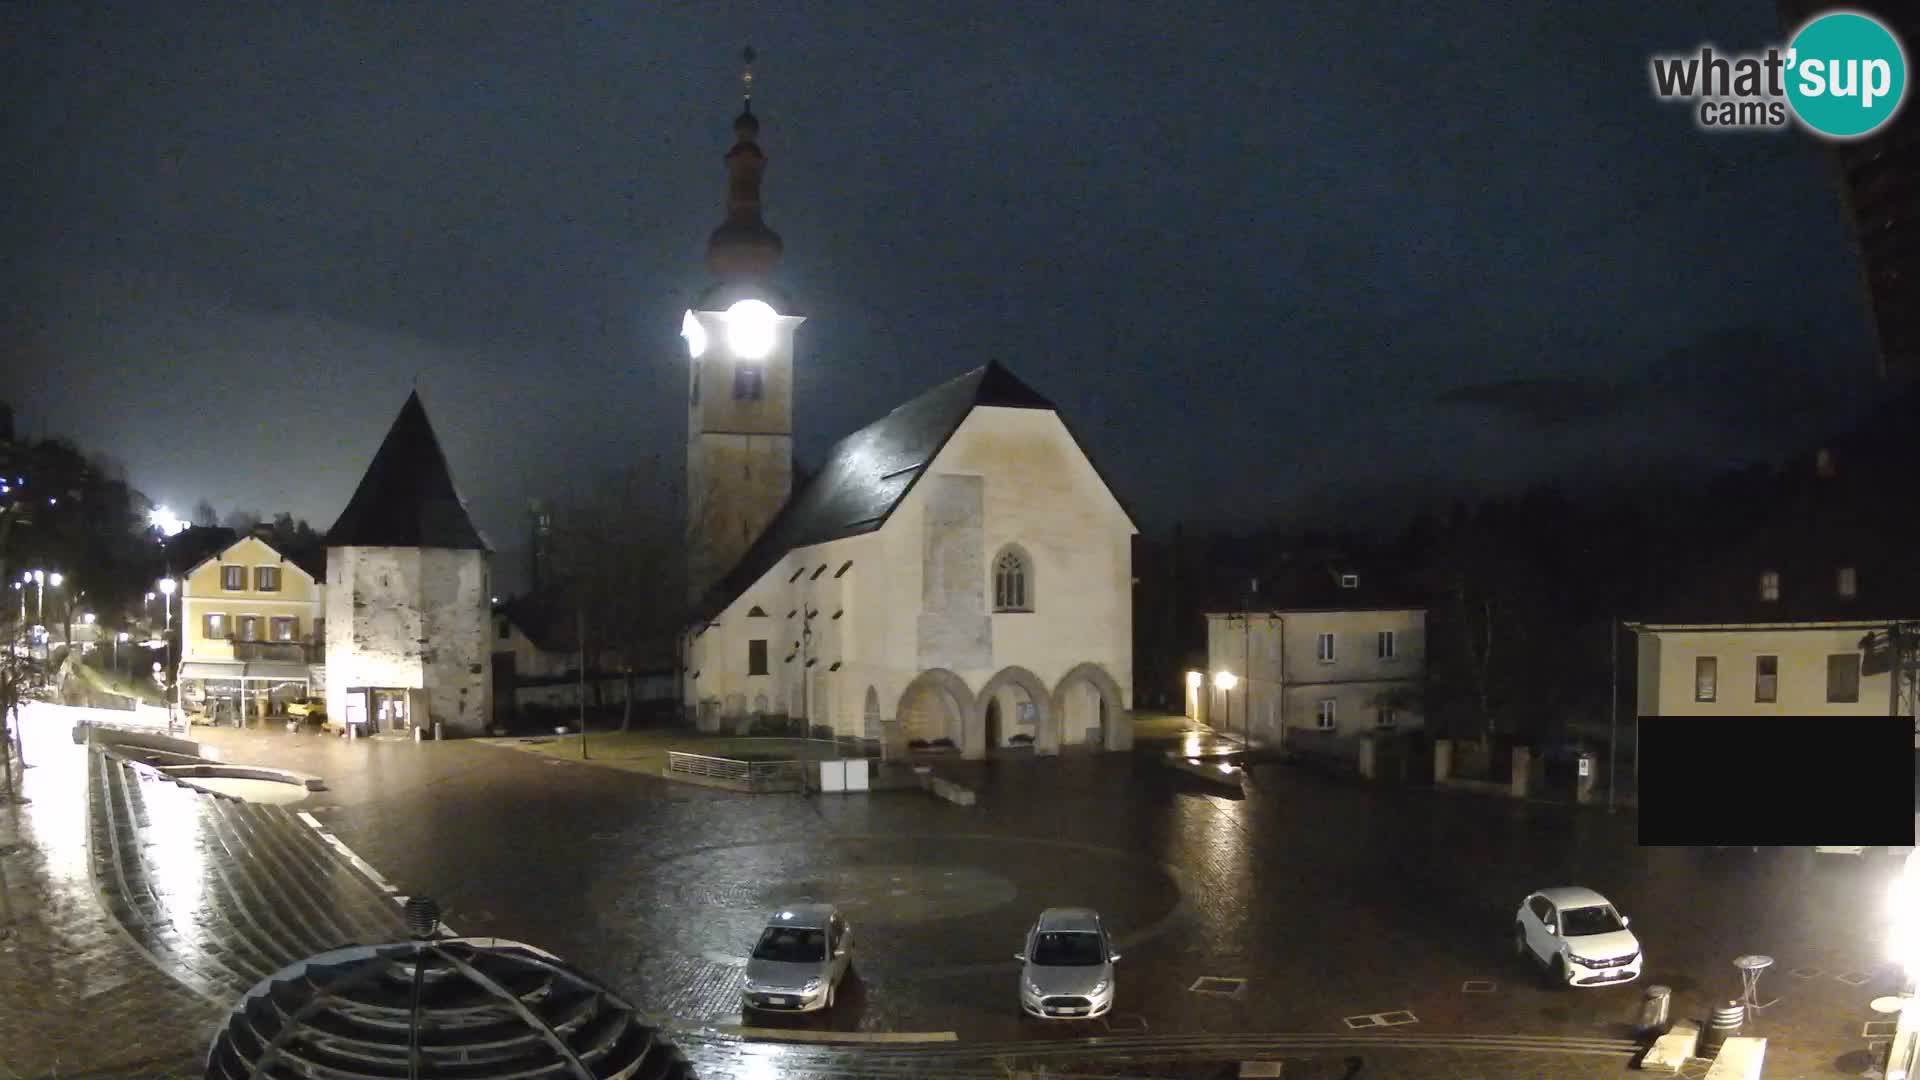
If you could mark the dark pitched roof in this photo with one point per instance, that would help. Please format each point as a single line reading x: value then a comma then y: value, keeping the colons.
x: 407, y: 497
x: 544, y: 620
x: 1311, y: 582
x: 867, y: 473
x: 195, y: 544
x: 1860, y: 515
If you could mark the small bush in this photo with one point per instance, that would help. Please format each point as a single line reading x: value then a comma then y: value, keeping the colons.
x: 822, y: 731
x: 1022, y: 739
x: 943, y: 744
x: 916, y: 744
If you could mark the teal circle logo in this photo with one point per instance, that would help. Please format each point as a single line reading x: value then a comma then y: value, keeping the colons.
x: 1846, y: 74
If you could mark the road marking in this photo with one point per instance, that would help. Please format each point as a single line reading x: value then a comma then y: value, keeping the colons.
x: 1218, y: 986
x: 1855, y: 978
x: 1878, y: 1029
x: 803, y: 1035
x: 1479, y: 986
x: 1384, y: 1019
x: 1129, y: 1022
x: 1806, y: 973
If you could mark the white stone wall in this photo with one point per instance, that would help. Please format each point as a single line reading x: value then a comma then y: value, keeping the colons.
x: 1668, y: 666
x: 1280, y: 678
x: 413, y: 619
x: 1006, y: 476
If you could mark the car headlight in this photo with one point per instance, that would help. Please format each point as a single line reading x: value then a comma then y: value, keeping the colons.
x: 1033, y: 988
x: 812, y: 985
x: 1100, y: 987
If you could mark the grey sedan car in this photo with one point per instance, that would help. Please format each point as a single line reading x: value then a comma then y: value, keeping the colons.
x: 799, y: 961
x: 1067, y: 968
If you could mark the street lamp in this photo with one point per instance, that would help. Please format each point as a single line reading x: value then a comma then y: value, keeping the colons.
x: 167, y: 585
x: 1225, y: 681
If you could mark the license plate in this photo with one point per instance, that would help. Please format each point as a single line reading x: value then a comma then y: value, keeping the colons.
x: 1070, y: 1012
x: 779, y: 1001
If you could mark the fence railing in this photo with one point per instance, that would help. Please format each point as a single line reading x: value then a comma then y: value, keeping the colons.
x: 760, y: 775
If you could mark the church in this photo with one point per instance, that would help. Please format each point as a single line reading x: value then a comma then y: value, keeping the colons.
x: 957, y: 573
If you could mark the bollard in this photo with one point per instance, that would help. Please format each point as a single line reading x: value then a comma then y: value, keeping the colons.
x: 438, y: 733
x: 419, y: 733
x: 1725, y: 1024
x: 1654, y: 1006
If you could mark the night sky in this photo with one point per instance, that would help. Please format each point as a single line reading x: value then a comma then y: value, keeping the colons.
x: 1272, y: 260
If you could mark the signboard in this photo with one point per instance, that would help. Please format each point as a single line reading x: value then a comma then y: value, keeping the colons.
x: 1586, y: 766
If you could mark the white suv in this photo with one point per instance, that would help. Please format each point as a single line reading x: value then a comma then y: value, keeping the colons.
x: 1578, y: 937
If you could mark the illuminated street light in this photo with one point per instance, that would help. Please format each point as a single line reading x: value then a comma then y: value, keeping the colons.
x: 1225, y: 680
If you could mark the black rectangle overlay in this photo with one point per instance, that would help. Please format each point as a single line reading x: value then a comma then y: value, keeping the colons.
x: 1785, y: 781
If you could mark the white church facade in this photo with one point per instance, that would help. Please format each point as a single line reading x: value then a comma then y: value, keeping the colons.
x: 957, y: 574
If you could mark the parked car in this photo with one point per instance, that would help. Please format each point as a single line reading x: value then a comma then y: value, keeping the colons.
x: 1067, y: 967
x: 308, y: 708
x: 800, y: 960
x: 1578, y: 937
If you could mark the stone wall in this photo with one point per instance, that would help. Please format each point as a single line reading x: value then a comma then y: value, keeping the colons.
x: 413, y: 619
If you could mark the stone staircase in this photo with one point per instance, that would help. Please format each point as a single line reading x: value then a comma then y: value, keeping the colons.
x: 221, y: 893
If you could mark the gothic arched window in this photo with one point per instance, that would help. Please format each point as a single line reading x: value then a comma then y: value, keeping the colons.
x: 1012, y: 580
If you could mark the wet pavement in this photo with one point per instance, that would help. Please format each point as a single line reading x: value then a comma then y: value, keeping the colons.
x: 1373, y: 919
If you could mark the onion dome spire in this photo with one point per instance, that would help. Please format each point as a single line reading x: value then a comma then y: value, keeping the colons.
x: 743, y: 248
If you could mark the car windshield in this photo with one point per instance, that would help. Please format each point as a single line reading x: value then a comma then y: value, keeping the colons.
x: 791, y: 945
x: 1585, y: 921
x: 1078, y: 948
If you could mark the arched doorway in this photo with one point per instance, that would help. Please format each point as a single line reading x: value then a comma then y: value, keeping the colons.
x: 934, y: 707
x: 1092, y: 712
x: 1025, y: 715
x: 994, y: 738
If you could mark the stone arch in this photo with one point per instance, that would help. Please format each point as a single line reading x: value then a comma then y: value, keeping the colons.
x: 1115, y: 728
x: 1011, y: 572
x: 1046, y: 730
x: 870, y: 716
x: 936, y: 703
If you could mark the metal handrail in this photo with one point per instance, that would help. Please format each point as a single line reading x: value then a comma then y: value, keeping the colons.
x: 756, y: 773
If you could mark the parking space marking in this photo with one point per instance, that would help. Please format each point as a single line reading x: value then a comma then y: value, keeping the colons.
x: 1878, y: 1029
x: 1479, y: 986
x: 1128, y: 1023
x: 1855, y: 978
x: 806, y: 1035
x: 1385, y: 1019
x: 1218, y: 986
x: 1806, y: 973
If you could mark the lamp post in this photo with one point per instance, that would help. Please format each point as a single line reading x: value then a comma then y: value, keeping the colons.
x: 169, y: 685
x: 1224, y: 682
x: 117, y: 639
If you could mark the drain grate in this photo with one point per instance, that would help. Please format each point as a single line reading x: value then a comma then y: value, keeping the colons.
x: 1479, y: 986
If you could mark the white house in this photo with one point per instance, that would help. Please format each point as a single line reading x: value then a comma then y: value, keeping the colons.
x: 409, y: 627
x: 956, y: 571
x: 1795, y: 619
x: 1326, y: 653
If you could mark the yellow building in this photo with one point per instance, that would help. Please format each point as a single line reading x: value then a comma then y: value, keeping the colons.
x: 252, y: 632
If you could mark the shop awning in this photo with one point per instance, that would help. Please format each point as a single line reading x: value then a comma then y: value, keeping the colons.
x: 268, y: 670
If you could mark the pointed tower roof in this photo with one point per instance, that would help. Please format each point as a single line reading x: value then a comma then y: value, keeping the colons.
x: 407, y: 498
x: 743, y: 248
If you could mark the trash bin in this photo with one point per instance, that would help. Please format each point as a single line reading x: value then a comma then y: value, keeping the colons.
x: 1725, y: 1024
x: 1654, y: 1007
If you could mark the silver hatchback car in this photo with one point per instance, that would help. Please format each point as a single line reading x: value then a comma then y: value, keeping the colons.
x: 1067, y: 968
x: 799, y: 961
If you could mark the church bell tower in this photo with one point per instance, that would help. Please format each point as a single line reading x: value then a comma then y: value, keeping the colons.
x: 739, y: 335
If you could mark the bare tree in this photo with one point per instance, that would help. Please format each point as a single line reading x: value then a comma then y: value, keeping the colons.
x: 204, y: 514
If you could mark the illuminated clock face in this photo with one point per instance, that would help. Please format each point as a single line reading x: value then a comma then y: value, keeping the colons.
x: 750, y: 329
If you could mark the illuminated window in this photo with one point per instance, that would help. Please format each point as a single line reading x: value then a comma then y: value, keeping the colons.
x: 1324, y: 716
x: 213, y: 627
x: 1324, y: 648
x: 284, y: 629
x: 1770, y: 586
x: 1847, y: 582
x: 1706, y: 671
x: 1389, y: 645
x: 1766, y: 678
x: 1349, y: 581
x: 233, y: 578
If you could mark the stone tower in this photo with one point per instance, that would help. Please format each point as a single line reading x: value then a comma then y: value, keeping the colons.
x: 409, y: 620
x: 739, y: 335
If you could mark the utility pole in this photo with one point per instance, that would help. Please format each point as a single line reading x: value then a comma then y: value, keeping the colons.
x: 580, y: 641
x: 1613, y: 715
x: 1246, y: 706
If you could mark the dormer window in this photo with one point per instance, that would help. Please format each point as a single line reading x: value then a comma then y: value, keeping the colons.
x: 1847, y: 583
x: 1770, y: 586
x: 1349, y: 581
